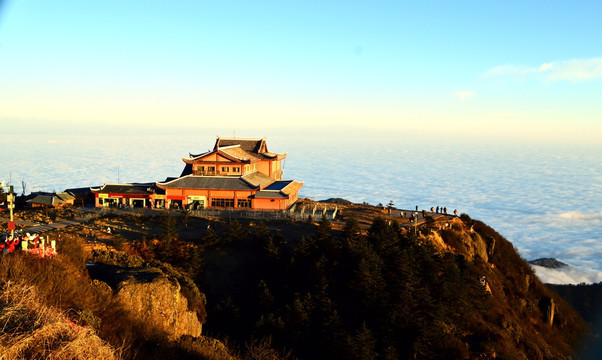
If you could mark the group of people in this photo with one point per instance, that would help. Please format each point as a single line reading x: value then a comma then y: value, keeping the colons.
x: 9, y: 244
x: 436, y: 210
x: 442, y: 210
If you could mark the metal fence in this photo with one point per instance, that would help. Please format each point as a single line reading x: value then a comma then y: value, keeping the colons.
x: 241, y: 214
x: 292, y: 213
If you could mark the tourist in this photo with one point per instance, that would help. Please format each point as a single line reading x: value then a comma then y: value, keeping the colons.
x: 11, y: 245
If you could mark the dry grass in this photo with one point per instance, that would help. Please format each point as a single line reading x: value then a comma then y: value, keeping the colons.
x: 31, y: 330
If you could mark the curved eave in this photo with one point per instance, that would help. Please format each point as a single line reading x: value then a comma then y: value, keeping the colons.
x: 98, y: 189
x: 273, y: 156
x: 195, y: 157
x: 194, y: 160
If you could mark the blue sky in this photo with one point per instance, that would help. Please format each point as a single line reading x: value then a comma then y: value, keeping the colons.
x: 511, y: 69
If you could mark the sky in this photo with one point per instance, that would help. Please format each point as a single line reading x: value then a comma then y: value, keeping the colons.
x: 509, y: 69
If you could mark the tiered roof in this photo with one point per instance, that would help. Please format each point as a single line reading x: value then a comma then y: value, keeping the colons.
x: 208, y: 182
x: 238, y: 150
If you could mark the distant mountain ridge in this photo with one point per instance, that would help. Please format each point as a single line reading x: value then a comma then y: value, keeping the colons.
x: 550, y: 263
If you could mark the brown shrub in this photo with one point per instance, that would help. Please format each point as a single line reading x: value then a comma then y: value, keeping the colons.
x: 30, y: 329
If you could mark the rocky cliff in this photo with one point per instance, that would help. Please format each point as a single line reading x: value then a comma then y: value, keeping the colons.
x: 150, y: 296
x: 153, y: 295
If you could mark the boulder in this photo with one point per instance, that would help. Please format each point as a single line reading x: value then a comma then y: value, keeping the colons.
x: 151, y: 296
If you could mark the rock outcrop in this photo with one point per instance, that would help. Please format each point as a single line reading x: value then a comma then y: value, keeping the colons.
x: 453, y: 236
x: 151, y: 296
x: 550, y: 263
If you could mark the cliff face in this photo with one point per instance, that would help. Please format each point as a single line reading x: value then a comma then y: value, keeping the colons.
x: 531, y: 319
x: 160, y: 303
x: 152, y: 297
x: 452, y: 235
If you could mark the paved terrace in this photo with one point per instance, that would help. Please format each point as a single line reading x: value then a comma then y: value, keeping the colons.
x: 330, y: 211
x: 36, y: 228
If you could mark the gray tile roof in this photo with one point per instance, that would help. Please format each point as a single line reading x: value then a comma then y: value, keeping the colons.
x: 250, y: 145
x: 208, y: 182
x: 258, y: 179
x: 51, y: 199
x: 270, y: 194
x: 124, y: 189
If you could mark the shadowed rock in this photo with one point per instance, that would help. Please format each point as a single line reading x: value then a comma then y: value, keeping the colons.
x: 151, y: 296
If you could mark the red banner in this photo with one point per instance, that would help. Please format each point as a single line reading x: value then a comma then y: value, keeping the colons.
x: 11, y: 225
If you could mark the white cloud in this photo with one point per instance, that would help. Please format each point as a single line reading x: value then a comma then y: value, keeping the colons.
x: 575, y: 70
x: 463, y: 94
x: 566, y: 275
x: 546, y: 67
x: 581, y: 215
x: 577, y: 218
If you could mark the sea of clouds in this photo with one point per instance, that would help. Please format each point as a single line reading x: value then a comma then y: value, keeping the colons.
x: 547, y: 200
x: 567, y: 275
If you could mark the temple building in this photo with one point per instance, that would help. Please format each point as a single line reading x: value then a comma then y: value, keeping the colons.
x: 237, y: 174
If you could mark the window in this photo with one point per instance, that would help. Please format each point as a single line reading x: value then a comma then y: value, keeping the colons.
x: 243, y: 203
x: 211, y: 168
x: 225, y: 169
x: 223, y: 203
x: 236, y: 169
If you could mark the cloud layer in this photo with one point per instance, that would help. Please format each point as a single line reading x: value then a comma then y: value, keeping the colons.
x: 575, y: 70
x: 566, y: 275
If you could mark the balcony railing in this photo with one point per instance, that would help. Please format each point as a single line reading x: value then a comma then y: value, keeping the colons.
x: 207, y: 172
